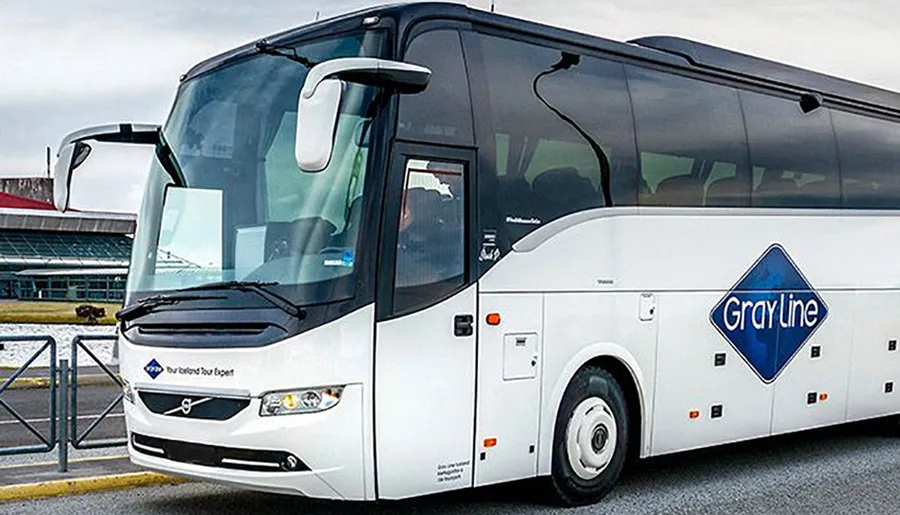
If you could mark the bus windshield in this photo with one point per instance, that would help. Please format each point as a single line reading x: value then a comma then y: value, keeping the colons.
x: 245, y: 211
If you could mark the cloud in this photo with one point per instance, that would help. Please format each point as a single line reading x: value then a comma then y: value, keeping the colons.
x: 68, y: 65
x: 838, y: 37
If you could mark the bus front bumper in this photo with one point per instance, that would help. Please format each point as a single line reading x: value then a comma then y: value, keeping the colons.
x: 246, y: 450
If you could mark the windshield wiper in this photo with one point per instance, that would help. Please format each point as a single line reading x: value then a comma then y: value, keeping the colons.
x: 149, y: 304
x: 258, y: 287
x: 264, y: 47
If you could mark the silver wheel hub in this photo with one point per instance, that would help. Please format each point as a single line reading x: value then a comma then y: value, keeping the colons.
x: 591, y: 437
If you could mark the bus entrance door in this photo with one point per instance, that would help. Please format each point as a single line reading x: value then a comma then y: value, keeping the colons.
x: 426, y: 329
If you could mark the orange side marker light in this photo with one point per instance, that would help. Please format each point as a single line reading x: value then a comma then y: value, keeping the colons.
x: 823, y: 396
x: 694, y: 414
x: 490, y: 442
x: 493, y: 319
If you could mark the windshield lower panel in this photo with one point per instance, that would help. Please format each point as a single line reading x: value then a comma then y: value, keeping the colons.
x: 246, y: 212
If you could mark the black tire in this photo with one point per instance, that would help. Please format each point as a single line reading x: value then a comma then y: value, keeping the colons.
x: 565, y: 485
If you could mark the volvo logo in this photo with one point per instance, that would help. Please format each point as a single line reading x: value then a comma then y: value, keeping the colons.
x: 187, y: 404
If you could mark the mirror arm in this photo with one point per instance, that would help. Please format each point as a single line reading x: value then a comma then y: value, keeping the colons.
x: 74, y: 150
x: 135, y: 133
x: 318, y: 106
x: 170, y: 165
x: 365, y: 70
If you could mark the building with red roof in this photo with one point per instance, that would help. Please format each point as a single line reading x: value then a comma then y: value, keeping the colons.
x: 48, y: 255
x: 10, y: 201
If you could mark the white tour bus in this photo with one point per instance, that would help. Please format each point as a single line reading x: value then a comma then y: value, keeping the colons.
x: 424, y: 247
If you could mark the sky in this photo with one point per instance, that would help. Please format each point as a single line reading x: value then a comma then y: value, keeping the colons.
x: 68, y: 65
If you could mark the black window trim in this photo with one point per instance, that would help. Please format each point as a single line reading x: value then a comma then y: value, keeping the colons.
x: 745, y: 142
x: 467, y: 27
x: 840, y: 143
x: 490, y: 217
x: 834, y: 147
x: 419, y: 28
x: 401, y: 152
x: 665, y: 64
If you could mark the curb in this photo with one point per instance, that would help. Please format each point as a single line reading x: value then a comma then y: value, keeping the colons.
x: 85, y: 485
x: 31, y: 383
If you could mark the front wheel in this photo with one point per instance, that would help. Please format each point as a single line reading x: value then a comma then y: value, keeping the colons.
x: 590, y: 441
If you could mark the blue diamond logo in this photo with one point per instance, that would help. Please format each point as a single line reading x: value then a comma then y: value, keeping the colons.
x: 770, y: 313
x: 153, y: 369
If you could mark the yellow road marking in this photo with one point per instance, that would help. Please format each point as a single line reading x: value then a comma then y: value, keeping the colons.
x: 84, y: 485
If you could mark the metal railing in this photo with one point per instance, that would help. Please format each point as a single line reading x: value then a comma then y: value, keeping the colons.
x: 62, y: 399
x: 49, y: 441
x: 78, y: 439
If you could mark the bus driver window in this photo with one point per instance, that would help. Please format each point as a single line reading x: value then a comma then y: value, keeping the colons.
x: 430, y: 240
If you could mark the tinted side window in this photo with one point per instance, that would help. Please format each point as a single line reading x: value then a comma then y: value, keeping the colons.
x: 442, y: 113
x: 691, y: 139
x: 561, y: 129
x: 794, y: 155
x: 870, y: 161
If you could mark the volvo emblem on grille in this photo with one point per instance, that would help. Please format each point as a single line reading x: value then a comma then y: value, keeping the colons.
x: 187, y: 404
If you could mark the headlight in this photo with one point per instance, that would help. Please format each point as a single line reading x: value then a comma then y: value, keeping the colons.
x: 307, y: 400
x: 127, y: 391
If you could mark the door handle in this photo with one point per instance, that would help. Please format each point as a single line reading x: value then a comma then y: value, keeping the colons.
x: 462, y: 325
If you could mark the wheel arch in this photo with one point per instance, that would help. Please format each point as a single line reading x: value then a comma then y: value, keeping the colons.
x: 624, y: 376
x: 627, y: 372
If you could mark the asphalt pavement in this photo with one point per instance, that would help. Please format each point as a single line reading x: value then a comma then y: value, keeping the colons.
x: 33, y: 405
x: 855, y: 470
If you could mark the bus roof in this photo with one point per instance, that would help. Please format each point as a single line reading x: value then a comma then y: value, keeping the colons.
x: 666, y: 50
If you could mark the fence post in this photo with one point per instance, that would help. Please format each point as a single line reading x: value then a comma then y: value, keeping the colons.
x: 63, y: 415
x: 115, y: 351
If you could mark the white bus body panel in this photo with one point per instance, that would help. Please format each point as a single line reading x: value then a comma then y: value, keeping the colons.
x: 825, y: 378
x: 509, y: 387
x: 336, y: 444
x: 592, y: 269
x: 425, y: 400
x: 580, y: 327
x: 876, y: 325
x: 688, y: 380
x: 637, y: 285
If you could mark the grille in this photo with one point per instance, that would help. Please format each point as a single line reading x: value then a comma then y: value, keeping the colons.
x: 214, y: 456
x: 201, y: 407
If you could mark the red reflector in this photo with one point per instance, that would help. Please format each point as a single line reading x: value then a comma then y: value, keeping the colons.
x: 823, y: 396
x: 493, y: 319
x: 490, y: 442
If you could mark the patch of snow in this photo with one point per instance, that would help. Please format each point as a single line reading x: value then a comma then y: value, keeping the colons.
x: 17, y: 353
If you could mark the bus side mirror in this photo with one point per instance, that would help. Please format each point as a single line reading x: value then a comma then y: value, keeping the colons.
x: 70, y: 157
x: 73, y: 151
x: 320, y: 100
x: 317, y: 117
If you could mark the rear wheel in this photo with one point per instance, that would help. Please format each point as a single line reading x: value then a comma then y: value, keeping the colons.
x: 590, y: 440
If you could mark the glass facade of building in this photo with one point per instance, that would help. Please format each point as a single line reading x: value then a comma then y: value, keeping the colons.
x: 66, y: 266
x: 63, y: 248
x: 97, y: 288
